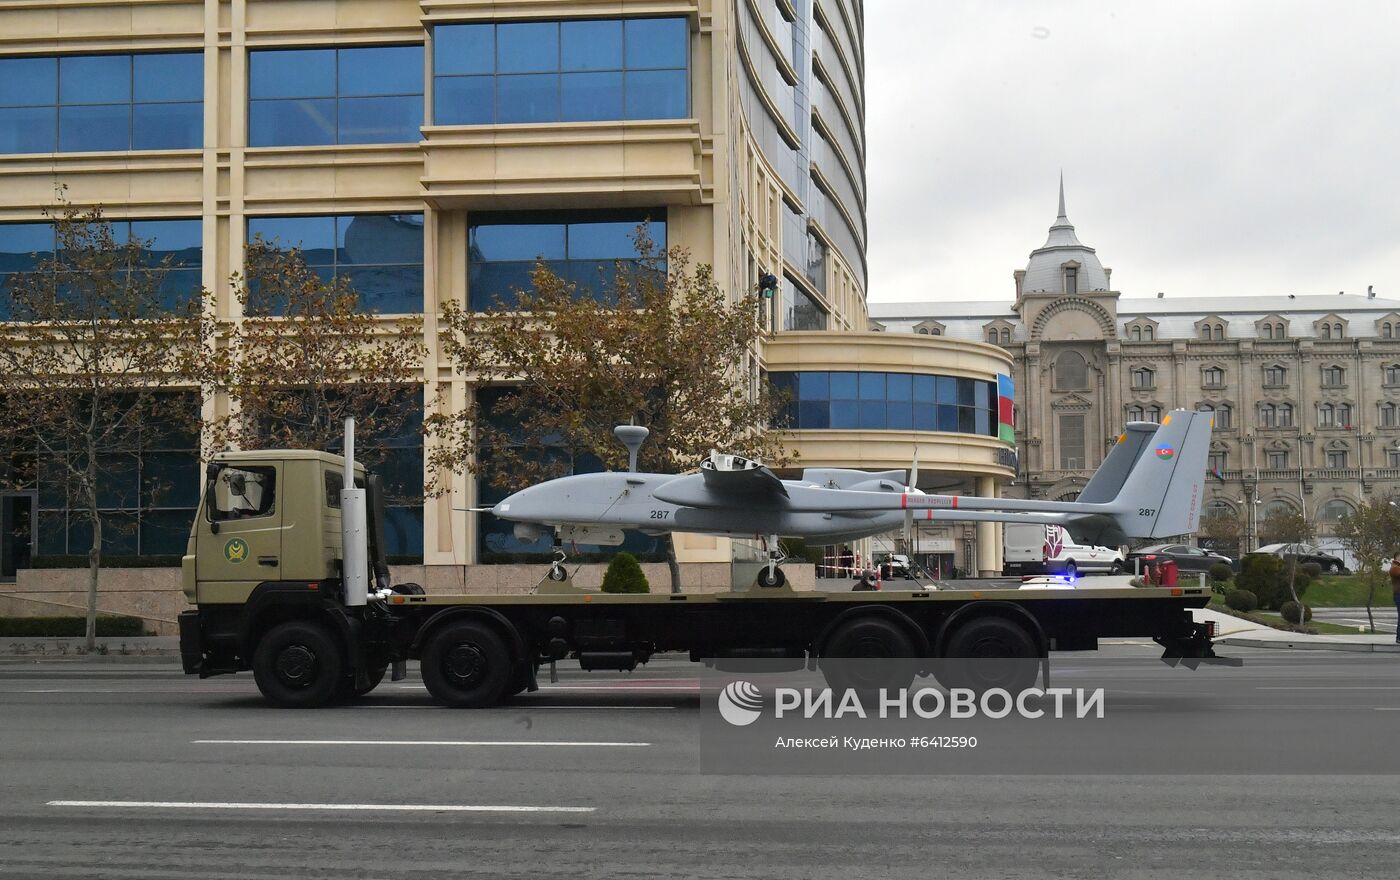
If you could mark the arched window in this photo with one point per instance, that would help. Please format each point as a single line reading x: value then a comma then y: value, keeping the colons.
x: 1205, y: 331
x: 1005, y: 336
x: 1224, y: 416
x: 1326, y: 331
x: 1071, y: 372
x: 1268, y: 416
x: 1268, y: 331
x: 1217, y: 507
x: 1344, y: 415
x: 936, y: 332
x: 1285, y: 415
x: 1333, y: 375
x: 1326, y: 416
x: 1219, y: 331
x: 1392, y: 374
x: 992, y: 336
x: 1386, y: 330
x: 922, y: 331
x: 1143, y: 377
x: 1153, y: 413
x: 1333, y: 511
x: 1134, y: 413
x: 1278, y: 506
x: 1147, y: 333
x: 1277, y: 374
x: 1388, y: 415
x: 1135, y: 333
x: 1338, y: 332
x: 1212, y: 377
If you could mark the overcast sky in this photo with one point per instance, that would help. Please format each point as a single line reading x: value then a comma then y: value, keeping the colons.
x: 1217, y: 148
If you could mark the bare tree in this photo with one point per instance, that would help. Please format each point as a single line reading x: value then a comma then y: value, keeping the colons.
x: 658, y: 344
x: 88, y: 362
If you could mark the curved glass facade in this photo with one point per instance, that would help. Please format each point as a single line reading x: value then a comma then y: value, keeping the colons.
x: 869, y: 401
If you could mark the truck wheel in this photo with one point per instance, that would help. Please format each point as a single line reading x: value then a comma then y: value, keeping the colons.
x: 1071, y: 569
x: 989, y: 652
x: 883, y: 653
x: 1116, y: 568
x: 376, y: 675
x: 467, y: 665
x: 298, y: 665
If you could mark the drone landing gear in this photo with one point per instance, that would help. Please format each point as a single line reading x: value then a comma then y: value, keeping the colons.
x: 771, y: 576
x: 557, y: 579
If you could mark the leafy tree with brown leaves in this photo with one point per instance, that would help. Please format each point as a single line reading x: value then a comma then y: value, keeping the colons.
x: 91, y: 361
x: 657, y: 344
x: 305, y: 356
x: 1287, y: 527
x: 1221, y: 530
x: 1372, y: 534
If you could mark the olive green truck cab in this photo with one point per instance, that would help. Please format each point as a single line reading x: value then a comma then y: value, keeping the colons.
x: 266, y: 570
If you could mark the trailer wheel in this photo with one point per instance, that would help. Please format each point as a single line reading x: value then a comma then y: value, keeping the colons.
x: 467, y: 665
x: 883, y: 653
x: 298, y: 665
x: 989, y: 652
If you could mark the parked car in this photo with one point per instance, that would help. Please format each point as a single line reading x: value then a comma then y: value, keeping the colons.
x: 1038, y: 549
x: 1186, y: 557
x: 896, y: 566
x: 1304, y: 553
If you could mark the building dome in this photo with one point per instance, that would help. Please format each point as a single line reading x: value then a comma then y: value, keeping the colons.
x: 1047, y: 271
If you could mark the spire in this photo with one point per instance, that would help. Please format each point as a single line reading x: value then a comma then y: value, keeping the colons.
x: 1062, y: 215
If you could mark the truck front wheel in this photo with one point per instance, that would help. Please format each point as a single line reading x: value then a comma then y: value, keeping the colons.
x: 467, y: 665
x: 298, y: 665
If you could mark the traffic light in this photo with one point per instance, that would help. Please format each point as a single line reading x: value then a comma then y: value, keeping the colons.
x: 767, y: 285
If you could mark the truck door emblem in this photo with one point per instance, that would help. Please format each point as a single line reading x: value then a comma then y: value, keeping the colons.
x: 236, y: 550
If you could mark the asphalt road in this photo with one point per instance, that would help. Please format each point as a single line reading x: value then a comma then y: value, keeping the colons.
x: 108, y: 771
x: 1383, y: 612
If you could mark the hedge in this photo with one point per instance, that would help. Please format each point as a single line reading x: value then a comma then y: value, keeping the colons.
x: 108, y: 626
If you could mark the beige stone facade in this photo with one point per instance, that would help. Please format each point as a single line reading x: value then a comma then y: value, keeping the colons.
x: 1306, y: 389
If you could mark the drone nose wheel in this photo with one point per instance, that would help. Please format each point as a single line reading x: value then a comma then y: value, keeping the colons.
x: 774, y: 578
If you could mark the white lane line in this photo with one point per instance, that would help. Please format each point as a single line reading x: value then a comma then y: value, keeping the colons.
x: 1326, y: 687
x: 1387, y: 708
x: 520, y: 707
x: 412, y: 742
x: 402, y: 808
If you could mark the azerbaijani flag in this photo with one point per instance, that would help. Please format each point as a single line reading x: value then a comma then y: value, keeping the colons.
x: 1006, y: 419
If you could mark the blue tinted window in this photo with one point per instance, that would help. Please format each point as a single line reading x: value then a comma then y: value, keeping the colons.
x: 178, y: 78
x: 84, y: 103
x: 355, y: 95
x: 591, y: 45
x: 967, y: 392
x: 530, y: 97
x: 845, y: 386
x: 94, y: 79
x: 813, y: 386
x: 845, y: 414
x: 884, y: 401
x: 291, y: 73
x: 381, y: 254
x: 381, y: 70
x: 590, y: 97
x: 657, y: 42
x: 464, y: 48
x: 872, y: 386
x: 27, y: 82
x: 512, y: 241
x: 947, y: 389
x: 561, y: 71
x: 94, y: 127
x: 527, y: 48
x: 602, y: 241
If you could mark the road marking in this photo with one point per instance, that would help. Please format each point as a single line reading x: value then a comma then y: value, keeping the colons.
x: 1388, y: 708
x: 518, y: 707
x: 412, y: 742
x: 401, y: 808
x: 1327, y: 687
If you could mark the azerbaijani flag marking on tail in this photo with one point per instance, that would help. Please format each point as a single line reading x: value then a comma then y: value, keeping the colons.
x: 1165, y: 452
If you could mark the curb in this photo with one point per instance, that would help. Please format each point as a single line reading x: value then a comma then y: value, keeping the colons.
x: 1309, y: 645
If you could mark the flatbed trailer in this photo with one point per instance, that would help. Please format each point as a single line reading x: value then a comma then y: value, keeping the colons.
x: 309, y: 625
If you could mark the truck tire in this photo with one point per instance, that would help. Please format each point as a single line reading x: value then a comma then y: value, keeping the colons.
x: 989, y: 652
x: 298, y: 665
x: 467, y: 665
x: 376, y: 675
x: 885, y: 652
x: 1071, y: 569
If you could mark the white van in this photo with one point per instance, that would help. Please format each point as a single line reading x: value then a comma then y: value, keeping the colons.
x: 1035, y: 549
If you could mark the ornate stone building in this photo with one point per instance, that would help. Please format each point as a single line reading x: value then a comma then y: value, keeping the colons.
x: 1306, y: 389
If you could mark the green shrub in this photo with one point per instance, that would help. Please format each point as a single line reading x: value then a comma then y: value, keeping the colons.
x: 1295, y: 613
x: 1313, y: 569
x: 108, y: 626
x: 1242, y: 600
x: 624, y: 575
x: 1259, y: 574
x: 1221, y: 572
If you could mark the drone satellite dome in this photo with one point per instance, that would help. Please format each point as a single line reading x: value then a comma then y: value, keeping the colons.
x: 632, y: 436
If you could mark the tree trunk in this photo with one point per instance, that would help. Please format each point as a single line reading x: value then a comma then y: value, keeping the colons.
x: 671, y: 564
x: 1370, y: 598
x: 94, y: 566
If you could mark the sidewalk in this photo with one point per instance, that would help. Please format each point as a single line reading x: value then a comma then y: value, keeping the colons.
x: 1230, y: 630
x: 118, y: 648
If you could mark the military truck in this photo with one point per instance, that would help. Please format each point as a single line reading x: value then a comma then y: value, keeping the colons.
x: 286, y: 568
